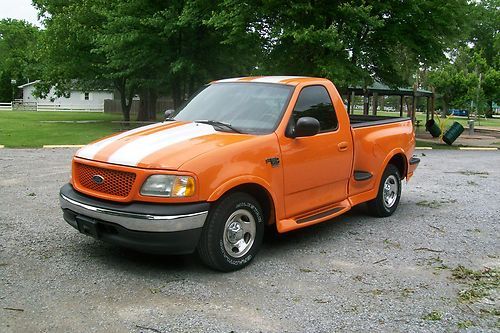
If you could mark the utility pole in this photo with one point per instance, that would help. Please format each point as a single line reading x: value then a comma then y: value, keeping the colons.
x: 13, y: 84
x: 477, y: 98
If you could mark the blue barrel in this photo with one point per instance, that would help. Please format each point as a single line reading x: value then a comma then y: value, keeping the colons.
x: 453, y: 133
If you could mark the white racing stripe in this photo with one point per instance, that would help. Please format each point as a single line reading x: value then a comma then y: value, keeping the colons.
x: 268, y: 79
x: 91, y: 150
x: 276, y: 79
x: 134, y: 152
x: 234, y: 79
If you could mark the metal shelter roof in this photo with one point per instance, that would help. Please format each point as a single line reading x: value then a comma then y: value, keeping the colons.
x: 382, y: 89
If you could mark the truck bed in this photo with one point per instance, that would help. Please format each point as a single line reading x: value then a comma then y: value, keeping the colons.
x: 375, y: 138
x: 367, y: 120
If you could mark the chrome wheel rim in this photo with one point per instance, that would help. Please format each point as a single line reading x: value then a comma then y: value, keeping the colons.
x: 239, y: 233
x: 390, y: 192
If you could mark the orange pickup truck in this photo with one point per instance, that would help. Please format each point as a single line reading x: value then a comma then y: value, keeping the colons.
x: 242, y: 154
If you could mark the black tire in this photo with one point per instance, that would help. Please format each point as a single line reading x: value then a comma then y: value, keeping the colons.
x: 215, y: 241
x: 381, y: 206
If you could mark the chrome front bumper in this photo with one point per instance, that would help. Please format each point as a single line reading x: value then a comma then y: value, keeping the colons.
x: 136, y: 221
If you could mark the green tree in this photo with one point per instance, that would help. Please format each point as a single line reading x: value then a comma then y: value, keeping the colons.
x: 453, y: 86
x: 351, y: 42
x: 144, y: 47
x: 472, y: 74
x: 68, y: 59
x: 18, y: 41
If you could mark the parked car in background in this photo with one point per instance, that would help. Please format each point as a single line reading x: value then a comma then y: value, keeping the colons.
x: 458, y: 112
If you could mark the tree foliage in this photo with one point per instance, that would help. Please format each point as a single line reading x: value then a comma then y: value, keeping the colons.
x: 352, y: 42
x: 154, y: 47
x: 18, y: 44
x: 473, y: 72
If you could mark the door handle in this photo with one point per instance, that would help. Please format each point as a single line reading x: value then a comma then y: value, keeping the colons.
x: 343, y: 146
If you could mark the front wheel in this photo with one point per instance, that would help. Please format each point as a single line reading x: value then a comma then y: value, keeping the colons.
x: 389, y: 193
x: 233, y: 233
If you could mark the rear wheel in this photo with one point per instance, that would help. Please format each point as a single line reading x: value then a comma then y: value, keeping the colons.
x: 389, y: 193
x: 233, y: 232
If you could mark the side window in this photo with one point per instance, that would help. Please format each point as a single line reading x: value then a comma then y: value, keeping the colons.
x: 315, y: 102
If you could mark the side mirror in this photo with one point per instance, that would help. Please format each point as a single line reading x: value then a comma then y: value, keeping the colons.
x: 306, y: 126
x: 169, y: 113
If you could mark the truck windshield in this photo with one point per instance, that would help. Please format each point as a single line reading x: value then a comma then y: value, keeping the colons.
x: 247, y: 107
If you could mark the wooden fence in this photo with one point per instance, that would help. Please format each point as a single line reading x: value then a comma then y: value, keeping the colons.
x: 6, y: 106
x: 19, y: 105
x: 114, y: 106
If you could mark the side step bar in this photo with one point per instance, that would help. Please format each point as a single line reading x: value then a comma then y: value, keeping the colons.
x: 314, y: 218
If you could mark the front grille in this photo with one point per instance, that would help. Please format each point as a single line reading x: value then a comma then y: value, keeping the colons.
x: 117, y: 183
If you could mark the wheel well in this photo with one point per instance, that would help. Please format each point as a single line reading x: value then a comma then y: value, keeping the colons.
x: 399, y: 161
x: 263, y: 198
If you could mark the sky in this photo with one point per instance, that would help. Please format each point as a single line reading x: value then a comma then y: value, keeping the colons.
x: 19, y: 9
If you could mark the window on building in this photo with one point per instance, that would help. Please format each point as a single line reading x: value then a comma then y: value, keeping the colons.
x: 315, y: 102
x: 87, y: 95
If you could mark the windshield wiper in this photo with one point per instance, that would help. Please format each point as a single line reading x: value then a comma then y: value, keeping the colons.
x: 219, y: 124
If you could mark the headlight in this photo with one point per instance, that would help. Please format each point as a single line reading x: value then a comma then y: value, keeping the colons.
x: 168, y: 186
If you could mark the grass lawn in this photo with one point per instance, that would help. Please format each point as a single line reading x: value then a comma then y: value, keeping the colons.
x: 35, y: 129
x: 20, y: 129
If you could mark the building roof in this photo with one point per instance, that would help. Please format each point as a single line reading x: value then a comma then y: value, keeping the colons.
x: 28, y: 84
x: 72, y: 89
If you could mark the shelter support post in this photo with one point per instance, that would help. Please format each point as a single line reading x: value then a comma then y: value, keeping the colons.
x: 428, y: 109
x: 432, y: 102
x: 348, y: 103
x: 366, y: 102
x: 413, y: 103
x: 375, y: 103
x: 353, y: 102
x: 401, y: 106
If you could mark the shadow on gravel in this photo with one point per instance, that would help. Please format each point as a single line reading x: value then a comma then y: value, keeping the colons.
x: 137, y: 263
x: 340, y: 226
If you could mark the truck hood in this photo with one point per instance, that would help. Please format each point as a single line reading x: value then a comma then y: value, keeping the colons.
x: 165, y: 145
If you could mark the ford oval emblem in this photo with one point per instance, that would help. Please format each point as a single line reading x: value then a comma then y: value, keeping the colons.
x: 98, y: 179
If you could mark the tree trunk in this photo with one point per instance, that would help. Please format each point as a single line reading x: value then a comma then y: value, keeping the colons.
x: 381, y: 102
x: 153, y: 97
x: 125, y: 99
x: 142, y: 114
x: 408, y: 109
x: 147, y: 106
x: 176, y: 93
x: 489, y: 111
x: 444, y: 112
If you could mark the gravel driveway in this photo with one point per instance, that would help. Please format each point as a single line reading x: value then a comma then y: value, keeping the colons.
x: 355, y: 273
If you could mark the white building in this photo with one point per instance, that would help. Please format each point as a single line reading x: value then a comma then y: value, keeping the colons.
x: 77, y: 100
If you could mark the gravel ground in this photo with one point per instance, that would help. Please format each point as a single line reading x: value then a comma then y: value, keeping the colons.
x: 355, y: 273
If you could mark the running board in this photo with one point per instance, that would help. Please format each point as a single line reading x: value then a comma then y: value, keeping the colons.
x: 314, y: 218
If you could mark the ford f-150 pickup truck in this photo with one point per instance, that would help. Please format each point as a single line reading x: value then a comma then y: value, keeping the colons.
x: 242, y: 156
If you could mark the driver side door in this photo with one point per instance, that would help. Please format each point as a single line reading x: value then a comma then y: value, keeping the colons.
x: 317, y: 168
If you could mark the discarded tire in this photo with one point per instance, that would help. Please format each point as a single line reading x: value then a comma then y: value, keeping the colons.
x: 453, y: 133
x: 432, y: 128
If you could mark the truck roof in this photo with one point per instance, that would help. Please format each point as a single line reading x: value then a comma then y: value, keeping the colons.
x: 289, y: 80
